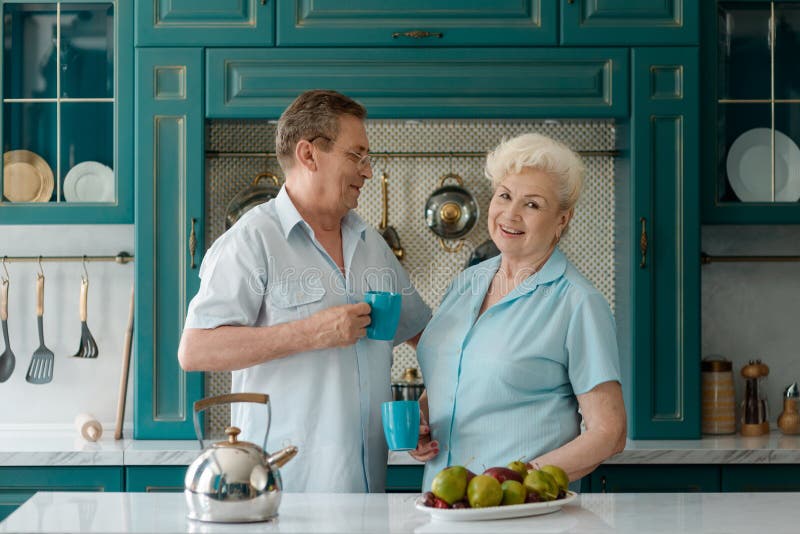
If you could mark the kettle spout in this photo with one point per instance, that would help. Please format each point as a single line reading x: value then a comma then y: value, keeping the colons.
x: 281, y: 457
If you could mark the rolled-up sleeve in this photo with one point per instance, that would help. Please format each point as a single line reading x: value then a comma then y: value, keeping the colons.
x: 593, y: 355
x: 233, y: 276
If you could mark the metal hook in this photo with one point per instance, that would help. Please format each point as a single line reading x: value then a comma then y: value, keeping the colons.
x: 6, y: 277
x: 41, y: 271
x: 85, y: 276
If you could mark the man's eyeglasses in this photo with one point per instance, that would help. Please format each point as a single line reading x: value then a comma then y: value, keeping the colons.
x: 362, y: 161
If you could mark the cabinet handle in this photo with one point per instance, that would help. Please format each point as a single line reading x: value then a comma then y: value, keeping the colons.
x: 263, y: 2
x: 193, y: 244
x: 643, y: 243
x: 603, y: 484
x: 417, y: 34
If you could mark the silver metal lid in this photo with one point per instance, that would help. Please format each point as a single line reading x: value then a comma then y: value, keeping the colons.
x: 792, y: 391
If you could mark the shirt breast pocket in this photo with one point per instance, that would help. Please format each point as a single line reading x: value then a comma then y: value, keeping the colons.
x: 293, y: 300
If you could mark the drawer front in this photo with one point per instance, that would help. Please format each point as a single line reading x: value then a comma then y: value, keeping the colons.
x: 655, y: 479
x: 410, y: 23
x: 148, y: 479
x: 18, y: 484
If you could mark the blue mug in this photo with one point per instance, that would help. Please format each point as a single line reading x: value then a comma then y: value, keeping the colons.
x: 385, y: 314
x: 401, y: 424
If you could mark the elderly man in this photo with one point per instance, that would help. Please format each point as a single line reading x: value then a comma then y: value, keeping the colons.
x: 281, y: 305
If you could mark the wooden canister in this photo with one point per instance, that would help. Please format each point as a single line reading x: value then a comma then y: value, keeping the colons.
x: 718, y: 404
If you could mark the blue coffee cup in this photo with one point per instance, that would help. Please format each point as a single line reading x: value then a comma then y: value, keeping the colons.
x: 401, y: 424
x: 385, y: 314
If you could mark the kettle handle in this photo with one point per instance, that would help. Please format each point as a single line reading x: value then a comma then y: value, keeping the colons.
x: 203, y: 404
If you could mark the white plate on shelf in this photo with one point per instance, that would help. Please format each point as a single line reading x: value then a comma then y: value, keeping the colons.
x: 89, y: 181
x: 749, y: 166
x: 495, y: 512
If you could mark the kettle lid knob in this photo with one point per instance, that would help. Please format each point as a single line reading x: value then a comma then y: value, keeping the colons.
x: 232, y: 432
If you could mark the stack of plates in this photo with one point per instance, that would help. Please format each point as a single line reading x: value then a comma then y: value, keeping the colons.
x: 749, y: 166
x: 26, y: 177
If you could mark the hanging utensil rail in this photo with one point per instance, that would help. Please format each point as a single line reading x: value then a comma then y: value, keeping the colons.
x: 121, y: 258
x: 373, y: 155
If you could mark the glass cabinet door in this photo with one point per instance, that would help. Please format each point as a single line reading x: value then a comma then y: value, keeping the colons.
x: 60, y: 108
x: 758, y: 90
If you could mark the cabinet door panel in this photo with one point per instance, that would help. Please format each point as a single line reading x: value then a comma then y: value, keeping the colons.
x: 205, y: 22
x: 394, y: 22
x: 626, y: 23
x: 473, y: 83
x: 169, y: 230
x: 666, y: 267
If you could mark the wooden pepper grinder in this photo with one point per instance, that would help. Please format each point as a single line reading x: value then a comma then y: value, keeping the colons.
x: 789, y: 420
x: 754, y: 406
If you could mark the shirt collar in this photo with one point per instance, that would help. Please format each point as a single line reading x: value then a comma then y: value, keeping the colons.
x: 289, y: 217
x: 553, y: 268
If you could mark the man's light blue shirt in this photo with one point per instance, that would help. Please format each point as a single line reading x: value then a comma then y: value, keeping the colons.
x: 502, y: 386
x: 270, y: 269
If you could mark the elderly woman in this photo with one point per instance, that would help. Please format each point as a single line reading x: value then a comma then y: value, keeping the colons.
x: 522, y: 344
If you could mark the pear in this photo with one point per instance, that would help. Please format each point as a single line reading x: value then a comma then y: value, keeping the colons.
x: 450, y: 484
x: 519, y: 468
x: 513, y: 492
x: 542, y: 484
x: 484, y: 491
x: 561, y: 477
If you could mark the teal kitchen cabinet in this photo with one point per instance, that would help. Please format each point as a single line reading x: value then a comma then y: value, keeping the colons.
x: 665, y: 221
x: 404, y: 478
x: 655, y: 479
x: 18, y: 484
x: 205, y: 22
x: 169, y: 234
x: 457, y: 83
x: 416, y: 23
x: 155, y: 479
x: 751, y: 125
x: 630, y: 23
x: 759, y: 477
x: 67, y: 113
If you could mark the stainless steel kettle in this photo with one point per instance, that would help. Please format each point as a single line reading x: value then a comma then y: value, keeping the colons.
x: 234, y: 481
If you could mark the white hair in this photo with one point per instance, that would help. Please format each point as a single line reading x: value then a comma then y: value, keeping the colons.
x: 539, y: 152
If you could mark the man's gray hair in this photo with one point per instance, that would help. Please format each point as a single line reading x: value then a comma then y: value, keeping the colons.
x: 312, y: 114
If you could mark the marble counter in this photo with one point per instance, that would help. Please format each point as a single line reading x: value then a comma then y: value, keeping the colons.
x: 670, y: 513
x: 66, y: 449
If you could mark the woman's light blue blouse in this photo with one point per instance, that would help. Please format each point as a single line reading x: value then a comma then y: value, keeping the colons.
x: 503, y: 386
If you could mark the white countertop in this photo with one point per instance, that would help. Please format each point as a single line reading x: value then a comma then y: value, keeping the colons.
x: 32, y: 448
x: 375, y: 513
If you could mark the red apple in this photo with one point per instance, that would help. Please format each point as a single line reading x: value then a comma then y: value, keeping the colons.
x: 502, y: 474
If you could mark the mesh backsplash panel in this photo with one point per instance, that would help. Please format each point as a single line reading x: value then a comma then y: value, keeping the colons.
x: 589, y: 244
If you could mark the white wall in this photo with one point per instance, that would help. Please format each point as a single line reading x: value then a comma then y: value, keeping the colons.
x: 78, y: 384
x: 750, y: 310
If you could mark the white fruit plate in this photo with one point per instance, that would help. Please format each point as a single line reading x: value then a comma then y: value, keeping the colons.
x: 495, y: 512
